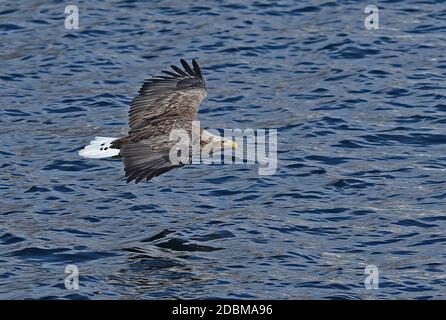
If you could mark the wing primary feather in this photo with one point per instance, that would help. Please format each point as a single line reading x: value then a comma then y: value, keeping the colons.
x: 178, y: 70
x: 187, y: 67
x: 173, y: 74
x: 161, y: 78
x: 197, y: 69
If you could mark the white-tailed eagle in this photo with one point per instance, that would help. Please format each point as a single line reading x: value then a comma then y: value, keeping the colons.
x: 165, y: 103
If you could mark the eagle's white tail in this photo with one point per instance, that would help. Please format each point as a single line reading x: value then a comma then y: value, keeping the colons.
x: 99, y: 148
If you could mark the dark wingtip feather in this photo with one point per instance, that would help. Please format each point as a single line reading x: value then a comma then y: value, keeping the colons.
x: 178, y: 70
x: 173, y: 74
x: 197, y: 69
x: 187, y: 67
x: 139, y: 179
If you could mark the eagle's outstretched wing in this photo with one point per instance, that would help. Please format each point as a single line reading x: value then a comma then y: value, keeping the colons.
x: 164, y: 103
x: 178, y: 93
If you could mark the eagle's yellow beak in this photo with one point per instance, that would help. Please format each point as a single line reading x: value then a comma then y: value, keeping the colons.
x: 230, y: 145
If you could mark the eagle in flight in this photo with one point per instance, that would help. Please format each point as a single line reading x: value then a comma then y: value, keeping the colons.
x: 164, y: 103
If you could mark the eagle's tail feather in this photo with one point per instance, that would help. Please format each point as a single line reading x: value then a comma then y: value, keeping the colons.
x: 99, y: 148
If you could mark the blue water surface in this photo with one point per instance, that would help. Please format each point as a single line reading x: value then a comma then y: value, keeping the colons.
x: 361, y: 177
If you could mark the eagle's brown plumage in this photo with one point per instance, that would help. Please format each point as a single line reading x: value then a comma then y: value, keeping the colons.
x: 164, y: 103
